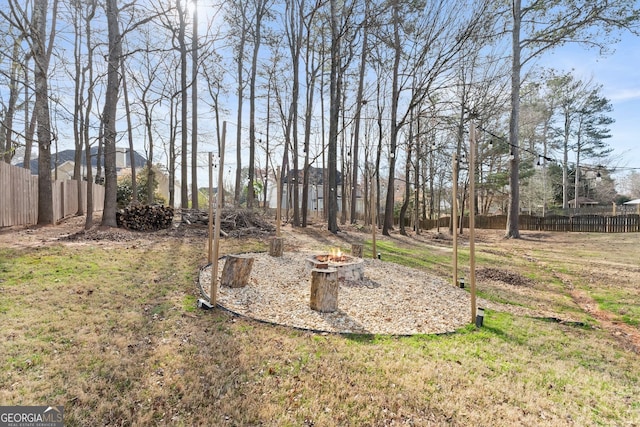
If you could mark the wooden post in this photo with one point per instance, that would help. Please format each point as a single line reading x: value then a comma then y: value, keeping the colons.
x: 374, y: 222
x: 279, y: 202
x: 276, y: 246
x: 454, y: 216
x: 472, y: 218
x: 324, y: 290
x: 210, y: 253
x: 356, y: 250
x: 236, y: 271
x: 213, y: 297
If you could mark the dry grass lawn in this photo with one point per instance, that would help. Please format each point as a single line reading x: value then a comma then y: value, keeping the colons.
x: 109, y: 329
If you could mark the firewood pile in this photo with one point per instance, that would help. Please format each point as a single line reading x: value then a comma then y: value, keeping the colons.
x: 233, y: 222
x: 145, y: 217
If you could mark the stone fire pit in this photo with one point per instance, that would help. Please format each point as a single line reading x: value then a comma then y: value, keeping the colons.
x: 348, y: 267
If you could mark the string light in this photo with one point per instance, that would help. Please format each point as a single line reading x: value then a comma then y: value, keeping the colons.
x: 512, y: 146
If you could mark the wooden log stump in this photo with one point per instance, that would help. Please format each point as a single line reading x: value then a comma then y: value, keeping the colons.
x: 236, y: 271
x: 356, y: 250
x: 324, y: 290
x: 276, y: 246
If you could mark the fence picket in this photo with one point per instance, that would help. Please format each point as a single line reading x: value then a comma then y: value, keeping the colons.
x: 19, y: 197
x: 558, y: 223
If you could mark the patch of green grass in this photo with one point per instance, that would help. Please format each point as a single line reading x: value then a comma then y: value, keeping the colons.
x: 625, y: 307
x: 189, y: 303
x: 127, y: 347
x: 415, y: 257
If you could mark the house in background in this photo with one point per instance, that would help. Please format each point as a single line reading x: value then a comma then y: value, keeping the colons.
x: 62, y: 165
x: 316, y: 189
x: 64, y: 161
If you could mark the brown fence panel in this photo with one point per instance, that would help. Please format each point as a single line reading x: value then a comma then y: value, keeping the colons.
x: 555, y: 223
x: 98, y: 198
x: 558, y: 223
x: 493, y: 222
x: 623, y: 223
x: 66, y: 200
x: 587, y: 223
x: 19, y: 197
x: 528, y: 222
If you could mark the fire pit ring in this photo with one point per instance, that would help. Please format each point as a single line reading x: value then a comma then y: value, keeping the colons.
x: 348, y: 267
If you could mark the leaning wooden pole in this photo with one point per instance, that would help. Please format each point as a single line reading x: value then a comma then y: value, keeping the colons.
x: 454, y: 216
x: 472, y: 218
x: 213, y: 293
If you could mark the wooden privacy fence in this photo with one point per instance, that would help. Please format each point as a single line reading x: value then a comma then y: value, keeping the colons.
x: 585, y: 223
x: 19, y: 197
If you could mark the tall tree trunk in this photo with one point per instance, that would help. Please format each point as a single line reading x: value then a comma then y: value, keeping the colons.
x: 334, y: 116
x: 343, y: 162
x: 260, y: 10
x: 29, y: 119
x: 78, y: 119
x: 109, y: 115
x: 395, y: 95
x: 565, y: 160
x: 184, y: 176
x: 312, y: 73
x: 7, y: 127
x: 359, y: 103
x: 173, y: 127
x: 41, y: 110
x: 194, y: 109
x: 240, y: 64
x: 513, y: 230
x: 87, y: 114
x: 132, y: 153
x: 295, y: 97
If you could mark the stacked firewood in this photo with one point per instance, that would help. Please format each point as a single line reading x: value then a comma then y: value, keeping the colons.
x: 145, y: 217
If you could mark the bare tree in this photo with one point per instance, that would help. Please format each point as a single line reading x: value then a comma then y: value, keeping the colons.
x: 182, y: 45
x: 435, y: 38
x: 541, y: 26
x: 109, y: 114
x: 41, y: 110
x: 239, y: 22
x: 260, y: 10
x: 194, y: 108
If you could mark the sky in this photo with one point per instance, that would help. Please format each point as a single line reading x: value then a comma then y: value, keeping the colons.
x: 619, y: 75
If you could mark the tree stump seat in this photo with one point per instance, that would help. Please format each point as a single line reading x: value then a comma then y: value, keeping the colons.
x: 236, y: 271
x: 324, y: 290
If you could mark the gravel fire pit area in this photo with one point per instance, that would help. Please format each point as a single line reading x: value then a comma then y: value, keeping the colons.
x: 389, y: 299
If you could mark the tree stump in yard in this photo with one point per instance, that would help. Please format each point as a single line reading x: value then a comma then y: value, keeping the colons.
x: 276, y: 246
x: 356, y: 250
x: 236, y: 271
x: 324, y: 290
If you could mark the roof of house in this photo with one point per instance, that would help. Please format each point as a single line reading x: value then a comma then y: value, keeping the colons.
x: 69, y: 156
